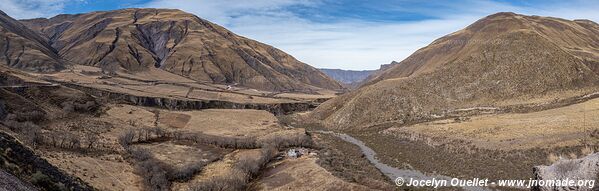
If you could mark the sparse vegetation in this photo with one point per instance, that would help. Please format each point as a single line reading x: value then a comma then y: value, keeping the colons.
x: 34, y: 116
x: 152, y: 170
x: 243, y: 171
x: 156, y: 134
x: 31, y: 131
x: 71, y: 106
x: 595, y: 134
x: 158, y: 176
x: 347, y: 162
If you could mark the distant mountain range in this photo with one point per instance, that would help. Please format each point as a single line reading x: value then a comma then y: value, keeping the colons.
x: 348, y: 77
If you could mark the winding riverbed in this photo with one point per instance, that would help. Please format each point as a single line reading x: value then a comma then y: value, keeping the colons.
x: 389, y: 171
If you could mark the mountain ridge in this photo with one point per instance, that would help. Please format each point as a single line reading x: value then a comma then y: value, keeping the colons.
x: 25, y: 49
x: 424, y: 56
x: 135, y: 39
x: 501, y: 60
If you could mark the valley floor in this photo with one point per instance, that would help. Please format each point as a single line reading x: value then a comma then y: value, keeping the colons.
x: 116, y: 146
x: 494, y: 146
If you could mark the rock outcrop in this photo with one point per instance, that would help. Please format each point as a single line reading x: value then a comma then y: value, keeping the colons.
x: 178, y: 42
x: 10, y: 182
x: 586, y: 168
x: 500, y: 60
x: 23, y: 48
x: 22, y: 162
x: 190, y: 104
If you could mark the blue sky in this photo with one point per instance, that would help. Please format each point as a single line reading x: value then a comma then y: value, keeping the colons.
x: 347, y: 34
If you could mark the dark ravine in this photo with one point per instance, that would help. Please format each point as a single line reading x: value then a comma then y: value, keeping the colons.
x: 181, y: 104
x: 3, y: 110
x: 27, y: 163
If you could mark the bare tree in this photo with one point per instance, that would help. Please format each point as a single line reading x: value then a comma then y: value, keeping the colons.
x: 92, y: 138
x: 126, y: 139
x: 74, y: 141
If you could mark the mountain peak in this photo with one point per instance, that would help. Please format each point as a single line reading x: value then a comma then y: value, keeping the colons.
x: 135, y: 40
x: 25, y: 49
x: 502, y: 15
x: 503, y: 56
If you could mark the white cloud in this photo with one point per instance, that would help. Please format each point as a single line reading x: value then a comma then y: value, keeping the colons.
x: 23, y: 9
x: 226, y: 11
x: 347, y: 44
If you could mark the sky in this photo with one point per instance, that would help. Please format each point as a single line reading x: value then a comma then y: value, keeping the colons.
x: 345, y: 34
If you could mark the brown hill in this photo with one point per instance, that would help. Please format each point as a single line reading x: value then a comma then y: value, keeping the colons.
x: 21, y: 47
x: 178, y: 42
x: 503, y: 59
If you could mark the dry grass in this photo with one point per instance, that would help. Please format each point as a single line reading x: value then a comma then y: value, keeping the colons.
x: 109, y: 172
x: 251, y: 123
x: 173, y: 120
x: 301, y: 174
x: 133, y: 115
x: 566, y: 126
x: 160, y: 83
x: 178, y: 155
x: 222, y: 168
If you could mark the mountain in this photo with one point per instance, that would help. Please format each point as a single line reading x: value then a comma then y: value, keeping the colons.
x: 504, y: 59
x: 348, y: 77
x: 21, y: 47
x: 181, y: 43
x: 374, y: 74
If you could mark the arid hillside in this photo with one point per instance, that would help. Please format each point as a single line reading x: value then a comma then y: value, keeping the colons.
x: 503, y: 62
x: 137, y: 39
x: 579, y: 38
x: 23, y: 48
x: 53, y: 137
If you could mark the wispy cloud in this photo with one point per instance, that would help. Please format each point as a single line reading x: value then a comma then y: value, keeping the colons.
x: 21, y: 9
x: 226, y: 11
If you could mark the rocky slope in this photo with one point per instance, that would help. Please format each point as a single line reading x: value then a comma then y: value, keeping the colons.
x: 579, y: 38
x: 178, y: 42
x: 586, y: 168
x: 25, y: 164
x: 21, y: 47
x: 10, y: 182
x: 502, y: 59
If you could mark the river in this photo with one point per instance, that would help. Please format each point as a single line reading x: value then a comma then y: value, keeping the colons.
x: 389, y: 171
